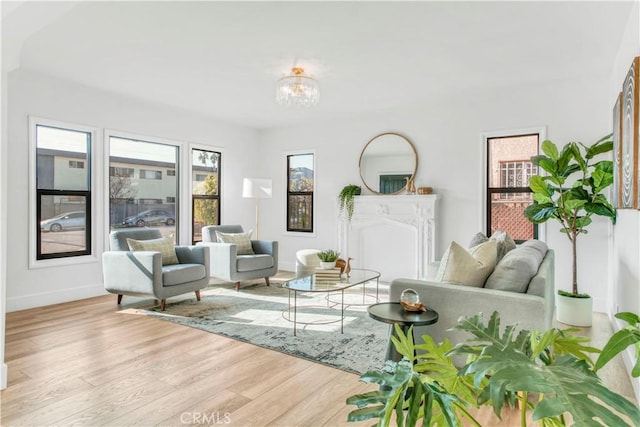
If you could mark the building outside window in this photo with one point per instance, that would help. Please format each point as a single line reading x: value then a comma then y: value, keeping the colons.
x: 205, y: 190
x: 63, y: 191
x: 138, y: 194
x: 300, y: 187
x: 509, y: 169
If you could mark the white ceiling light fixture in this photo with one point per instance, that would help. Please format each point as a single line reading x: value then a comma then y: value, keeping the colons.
x: 297, y: 89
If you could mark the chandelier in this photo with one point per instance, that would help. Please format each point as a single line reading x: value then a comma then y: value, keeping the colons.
x: 297, y: 89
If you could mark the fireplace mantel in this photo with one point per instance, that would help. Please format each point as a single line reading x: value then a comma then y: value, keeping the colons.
x: 393, y: 234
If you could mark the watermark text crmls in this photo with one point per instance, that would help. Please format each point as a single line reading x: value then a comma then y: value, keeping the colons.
x: 205, y: 418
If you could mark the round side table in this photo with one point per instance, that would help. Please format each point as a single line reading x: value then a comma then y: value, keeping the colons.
x: 394, y: 314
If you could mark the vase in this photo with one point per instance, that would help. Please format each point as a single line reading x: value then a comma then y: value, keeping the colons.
x: 574, y: 311
x: 326, y: 265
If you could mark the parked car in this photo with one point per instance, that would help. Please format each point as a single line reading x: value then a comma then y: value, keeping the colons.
x: 65, y: 221
x: 149, y: 217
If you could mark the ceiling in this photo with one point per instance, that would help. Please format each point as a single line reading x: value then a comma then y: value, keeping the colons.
x: 222, y: 59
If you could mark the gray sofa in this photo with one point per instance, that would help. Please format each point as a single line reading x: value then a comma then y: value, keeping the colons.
x: 532, y: 309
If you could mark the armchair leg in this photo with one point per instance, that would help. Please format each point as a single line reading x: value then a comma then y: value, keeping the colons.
x: 266, y: 279
x: 237, y: 286
x: 119, y: 298
x: 163, y: 304
x: 198, y: 295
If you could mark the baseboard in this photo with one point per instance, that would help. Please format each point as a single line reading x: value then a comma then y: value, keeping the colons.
x: 25, y: 302
x: 4, y: 374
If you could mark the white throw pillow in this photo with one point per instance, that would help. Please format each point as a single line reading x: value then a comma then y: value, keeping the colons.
x: 241, y: 240
x: 467, y: 268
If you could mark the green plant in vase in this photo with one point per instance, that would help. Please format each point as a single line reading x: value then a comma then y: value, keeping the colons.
x: 571, y: 193
x: 346, y: 199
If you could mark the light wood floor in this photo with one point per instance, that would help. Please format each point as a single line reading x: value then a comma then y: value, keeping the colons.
x: 89, y: 363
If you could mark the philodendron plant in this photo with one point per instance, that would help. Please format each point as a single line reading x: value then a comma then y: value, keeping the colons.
x: 572, y: 190
x: 550, y: 373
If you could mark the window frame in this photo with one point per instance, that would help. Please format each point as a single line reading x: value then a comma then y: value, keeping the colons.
x: 287, y: 193
x: 106, y: 156
x: 195, y: 197
x: 93, y: 240
x: 539, y: 230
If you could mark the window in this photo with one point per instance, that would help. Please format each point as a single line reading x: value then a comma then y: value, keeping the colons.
x: 205, y: 190
x: 150, y: 174
x: 75, y: 164
x: 147, y: 200
x: 509, y: 169
x: 300, y: 185
x: 171, y: 172
x: 63, y: 191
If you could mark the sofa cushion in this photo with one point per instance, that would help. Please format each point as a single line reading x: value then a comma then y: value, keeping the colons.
x: 538, y: 245
x: 514, y: 272
x: 467, y: 268
x: 253, y: 262
x: 241, y: 240
x: 503, y: 240
x: 180, y: 274
x: 163, y: 245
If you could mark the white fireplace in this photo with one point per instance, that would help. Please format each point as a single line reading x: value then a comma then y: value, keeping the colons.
x: 392, y: 234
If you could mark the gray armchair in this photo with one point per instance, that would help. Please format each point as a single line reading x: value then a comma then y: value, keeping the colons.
x: 225, y: 262
x: 141, y: 273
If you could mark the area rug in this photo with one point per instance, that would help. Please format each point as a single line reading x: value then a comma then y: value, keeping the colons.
x: 258, y: 314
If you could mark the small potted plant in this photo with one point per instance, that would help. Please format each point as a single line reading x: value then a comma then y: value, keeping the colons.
x: 571, y: 193
x: 345, y: 199
x: 328, y: 258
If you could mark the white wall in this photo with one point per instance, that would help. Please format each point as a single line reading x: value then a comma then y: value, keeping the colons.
x: 36, y: 95
x: 447, y: 136
x: 625, y: 266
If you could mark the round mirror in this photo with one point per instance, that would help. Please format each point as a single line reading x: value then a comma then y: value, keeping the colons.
x: 386, y: 162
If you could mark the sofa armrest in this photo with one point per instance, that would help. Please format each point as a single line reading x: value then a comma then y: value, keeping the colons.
x: 222, y: 258
x: 269, y: 247
x: 454, y: 301
x: 128, y: 272
x: 194, y: 255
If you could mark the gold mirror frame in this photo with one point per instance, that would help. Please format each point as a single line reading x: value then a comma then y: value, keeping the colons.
x: 384, y: 157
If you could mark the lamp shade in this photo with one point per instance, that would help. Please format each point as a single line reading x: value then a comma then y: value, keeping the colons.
x: 256, y: 188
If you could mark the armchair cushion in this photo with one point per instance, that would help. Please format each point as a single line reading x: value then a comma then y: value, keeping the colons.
x: 242, y: 241
x: 254, y: 262
x: 163, y: 245
x: 181, y: 273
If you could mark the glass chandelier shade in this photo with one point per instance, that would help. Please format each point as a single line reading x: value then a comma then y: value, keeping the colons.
x: 297, y: 90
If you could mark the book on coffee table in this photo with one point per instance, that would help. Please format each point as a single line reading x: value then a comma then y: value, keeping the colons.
x: 328, y: 274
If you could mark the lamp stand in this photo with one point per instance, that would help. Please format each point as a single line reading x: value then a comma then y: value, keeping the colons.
x: 257, y: 215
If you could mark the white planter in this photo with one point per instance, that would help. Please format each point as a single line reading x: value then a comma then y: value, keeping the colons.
x: 574, y: 311
x: 326, y: 265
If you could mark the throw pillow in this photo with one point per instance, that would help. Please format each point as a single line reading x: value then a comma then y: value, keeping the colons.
x: 467, y: 268
x: 514, y: 272
x: 504, y: 241
x: 163, y: 245
x: 241, y: 240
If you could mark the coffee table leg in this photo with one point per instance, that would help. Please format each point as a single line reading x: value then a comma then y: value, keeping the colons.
x: 342, y: 319
x: 295, y: 311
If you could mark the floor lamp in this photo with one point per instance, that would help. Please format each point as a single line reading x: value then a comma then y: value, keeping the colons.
x: 256, y: 188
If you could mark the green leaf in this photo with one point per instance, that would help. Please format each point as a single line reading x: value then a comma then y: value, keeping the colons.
x: 539, y: 213
x: 539, y: 186
x: 631, y: 318
x: 601, y: 209
x: 599, y: 148
x: 616, y: 344
x: 362, y: 414
x: 550, y: 149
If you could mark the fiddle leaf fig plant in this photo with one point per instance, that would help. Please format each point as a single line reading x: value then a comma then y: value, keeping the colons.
x: 345, y: 199
x: 571, y: 192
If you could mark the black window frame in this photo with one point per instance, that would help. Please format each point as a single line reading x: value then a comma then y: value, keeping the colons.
x: 490, y: 191
x: 305, y: 194
x: 195, y: 197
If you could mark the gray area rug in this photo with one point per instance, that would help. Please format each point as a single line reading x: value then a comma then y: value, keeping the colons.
x: 257, y: 315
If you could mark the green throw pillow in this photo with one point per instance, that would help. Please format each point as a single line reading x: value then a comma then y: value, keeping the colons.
x: 163, y: 245
x: 241, y: 240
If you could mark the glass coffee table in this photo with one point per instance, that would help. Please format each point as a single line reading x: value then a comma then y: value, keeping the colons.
x: 310, y: 284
